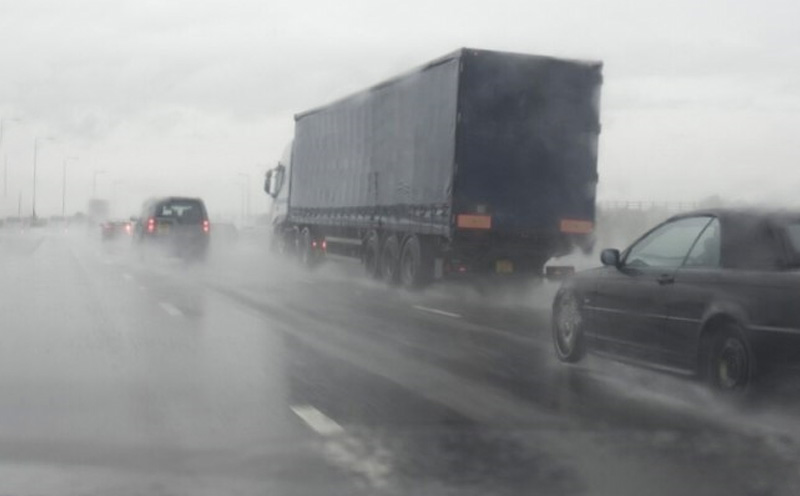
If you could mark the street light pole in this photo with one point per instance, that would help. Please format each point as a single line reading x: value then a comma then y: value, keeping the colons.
x: 94, y: 182
x: 35, y: 153
x: 5, y: 161
x: 114, y: 202
x: 35, y: 156
x: 246, y: 199
x: 64, y: 186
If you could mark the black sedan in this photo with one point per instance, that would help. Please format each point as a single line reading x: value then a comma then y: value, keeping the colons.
x: 712, y: 294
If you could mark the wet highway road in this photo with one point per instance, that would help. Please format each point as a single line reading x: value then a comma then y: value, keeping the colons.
x: 123, y: 375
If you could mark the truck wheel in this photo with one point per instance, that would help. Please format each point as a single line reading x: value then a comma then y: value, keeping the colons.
x: 389, y: 260
x: 277, y: 242
x: 416, y: 265
x: 292, y: 241
x: 305, y: 249
x: 371, y: 254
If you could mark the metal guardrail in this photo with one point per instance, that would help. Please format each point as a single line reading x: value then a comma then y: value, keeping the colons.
x: 647, y: 205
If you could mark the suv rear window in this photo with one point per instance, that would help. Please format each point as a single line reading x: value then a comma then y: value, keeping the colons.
x: 183, y: 211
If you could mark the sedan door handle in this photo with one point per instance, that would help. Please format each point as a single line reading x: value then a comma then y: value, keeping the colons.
x: 664, y: 279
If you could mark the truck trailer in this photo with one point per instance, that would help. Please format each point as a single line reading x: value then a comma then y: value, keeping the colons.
x: 479, y: 162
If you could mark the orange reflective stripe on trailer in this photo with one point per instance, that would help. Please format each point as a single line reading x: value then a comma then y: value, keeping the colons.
x: 574, y: 226
x: 470, y: 221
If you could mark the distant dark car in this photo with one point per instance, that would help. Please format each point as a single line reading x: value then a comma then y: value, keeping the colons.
x: 712, y: 294
x: 110, y: 230
x: 178, y: 225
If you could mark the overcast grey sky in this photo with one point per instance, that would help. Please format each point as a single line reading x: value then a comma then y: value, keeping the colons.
x: 188, y: 96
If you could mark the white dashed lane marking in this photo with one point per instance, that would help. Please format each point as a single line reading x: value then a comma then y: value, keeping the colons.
x: 318, y: 421
x: 171, y: 309
x: 437, y: 312
x: 127, y: 277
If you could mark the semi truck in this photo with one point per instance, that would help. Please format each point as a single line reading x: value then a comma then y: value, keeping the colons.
x: 479, y: 162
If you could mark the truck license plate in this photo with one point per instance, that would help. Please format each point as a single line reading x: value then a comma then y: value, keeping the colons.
x: 504, y: 267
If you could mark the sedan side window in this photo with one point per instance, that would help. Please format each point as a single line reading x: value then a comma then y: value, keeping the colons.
x: 706, y: 250
x: 668, y: 245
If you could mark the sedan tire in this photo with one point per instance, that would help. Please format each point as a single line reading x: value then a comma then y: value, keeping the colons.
x: 568, y: 329
x: 730, y: 365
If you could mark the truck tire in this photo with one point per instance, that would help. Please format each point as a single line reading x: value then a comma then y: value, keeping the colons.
x: 390, y: 259
x: 416, y: 263
x: 277, y: 243
x: 371, y: 255
x: 305, y: 250
x: 291, y: 237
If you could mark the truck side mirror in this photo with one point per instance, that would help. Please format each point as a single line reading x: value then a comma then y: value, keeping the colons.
x: 274, y: 180
x: 268, y: 183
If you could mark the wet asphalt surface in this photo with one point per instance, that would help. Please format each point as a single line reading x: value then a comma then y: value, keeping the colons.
x: 128, y: 374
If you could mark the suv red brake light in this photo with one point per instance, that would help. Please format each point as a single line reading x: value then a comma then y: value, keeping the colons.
x: 151, y: 225
x: 206, y: 226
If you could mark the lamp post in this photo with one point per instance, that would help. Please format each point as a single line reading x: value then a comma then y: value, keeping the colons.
x: 5, y: 160
x: 246, y: 198
x: 114, y: 202
x: 94, y: 181
x: 261, y: 168
x: 64, y: 186
x: 35, y: 157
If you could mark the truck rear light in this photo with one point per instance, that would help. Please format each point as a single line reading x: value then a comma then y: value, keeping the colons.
x: 206, y: 226
x: 471, y: 221
x: 576, y: 226
x: 454, y: 266
x: 151, y: 225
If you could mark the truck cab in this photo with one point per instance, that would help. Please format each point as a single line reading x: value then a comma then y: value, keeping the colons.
x: 276, y: 185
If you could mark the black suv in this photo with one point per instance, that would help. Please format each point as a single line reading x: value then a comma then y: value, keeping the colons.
x: 178, y: 225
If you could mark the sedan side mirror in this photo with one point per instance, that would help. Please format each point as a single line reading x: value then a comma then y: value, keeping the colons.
x: 610, y: 257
